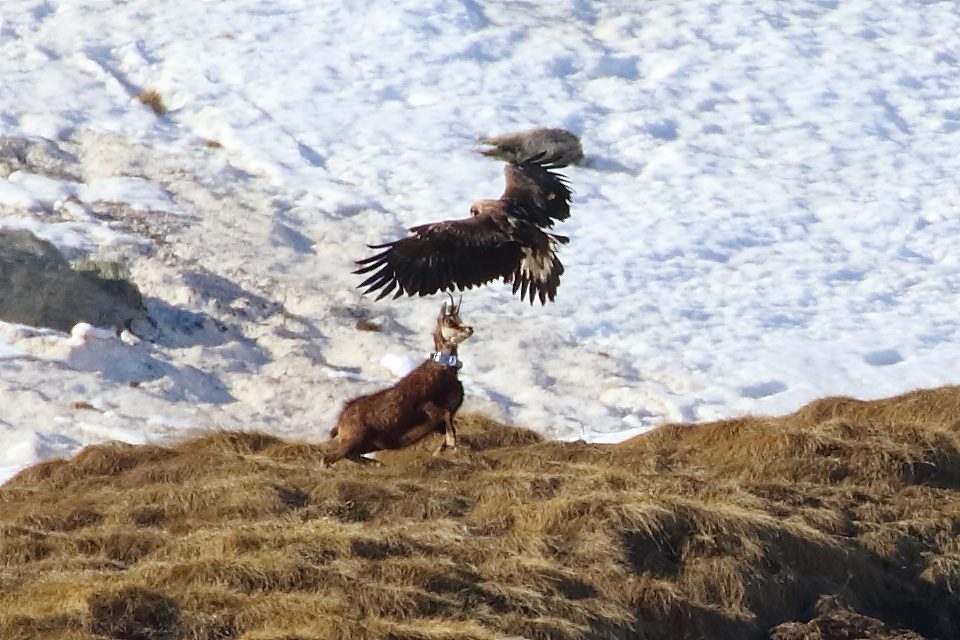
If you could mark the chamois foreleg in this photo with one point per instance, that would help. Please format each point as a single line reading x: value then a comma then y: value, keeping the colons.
x: 450, y: 434
x: 438, y: 416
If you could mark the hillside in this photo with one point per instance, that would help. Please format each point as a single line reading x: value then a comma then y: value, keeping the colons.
x: 720, y: 531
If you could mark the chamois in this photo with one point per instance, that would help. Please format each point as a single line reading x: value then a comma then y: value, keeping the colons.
x: 422, y: 402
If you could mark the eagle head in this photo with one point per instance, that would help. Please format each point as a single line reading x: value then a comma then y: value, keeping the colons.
x: 486, y: 207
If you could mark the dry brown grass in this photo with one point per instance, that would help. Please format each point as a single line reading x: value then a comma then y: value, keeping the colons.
x: 717, y: 531
x: 153, y: 99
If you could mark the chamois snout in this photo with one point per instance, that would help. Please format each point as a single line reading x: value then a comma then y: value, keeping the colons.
x: 455, y: 334
x: 450, y: 329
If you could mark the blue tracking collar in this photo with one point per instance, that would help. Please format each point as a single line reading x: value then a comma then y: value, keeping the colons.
x: 450, y: 361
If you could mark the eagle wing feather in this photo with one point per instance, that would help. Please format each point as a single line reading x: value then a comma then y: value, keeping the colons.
x: 457, y: 254
x: 535, y: 194
x: 538, y: 271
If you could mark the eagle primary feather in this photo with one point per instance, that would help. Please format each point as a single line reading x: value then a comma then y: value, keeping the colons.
x: 536, y: 194
x: 501, y: 239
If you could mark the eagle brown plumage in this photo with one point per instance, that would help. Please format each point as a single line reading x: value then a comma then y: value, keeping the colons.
x: 501, y: 239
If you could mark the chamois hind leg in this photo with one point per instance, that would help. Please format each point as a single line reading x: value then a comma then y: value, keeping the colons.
x: 355, y: 450
x: 352, y: 445
x: 330, y: 459
x: 355, y: 456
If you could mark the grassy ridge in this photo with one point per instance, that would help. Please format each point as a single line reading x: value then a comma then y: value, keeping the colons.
x: 712, y: 531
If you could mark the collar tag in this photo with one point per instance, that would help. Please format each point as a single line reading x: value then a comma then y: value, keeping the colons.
x: 450, y: 361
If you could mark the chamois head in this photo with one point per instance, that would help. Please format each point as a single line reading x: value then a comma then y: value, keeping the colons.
x: 450, y: 328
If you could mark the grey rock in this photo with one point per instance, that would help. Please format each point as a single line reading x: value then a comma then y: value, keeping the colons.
x: 37, y: 155
x: 38, y: 287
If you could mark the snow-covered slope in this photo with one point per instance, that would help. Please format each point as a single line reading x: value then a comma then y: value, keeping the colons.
x: 768, y: 214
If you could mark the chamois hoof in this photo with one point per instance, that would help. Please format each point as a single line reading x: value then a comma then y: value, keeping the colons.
x: 444, y: 447
x: 363, y: 460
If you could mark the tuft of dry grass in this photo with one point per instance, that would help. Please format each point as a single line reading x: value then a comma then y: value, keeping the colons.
x: 368, y: 325
x: 722, y: 530
x: 153, y: 99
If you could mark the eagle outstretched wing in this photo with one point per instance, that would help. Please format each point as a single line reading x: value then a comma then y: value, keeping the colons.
x: 457, y: 254
x: 535, y: 194
x: 461, y: 254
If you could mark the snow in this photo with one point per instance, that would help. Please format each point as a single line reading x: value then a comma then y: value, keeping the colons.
x: 44, y: 189
x: 140, y: 194
x: 399, y: 365
x: 14, y: 196
x: 6, y: 351
x: 767, y: 213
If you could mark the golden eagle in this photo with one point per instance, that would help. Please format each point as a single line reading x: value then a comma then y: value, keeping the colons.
x: 501, y: 239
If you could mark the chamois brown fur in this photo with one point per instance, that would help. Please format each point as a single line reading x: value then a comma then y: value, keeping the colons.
x: 422, y: 402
